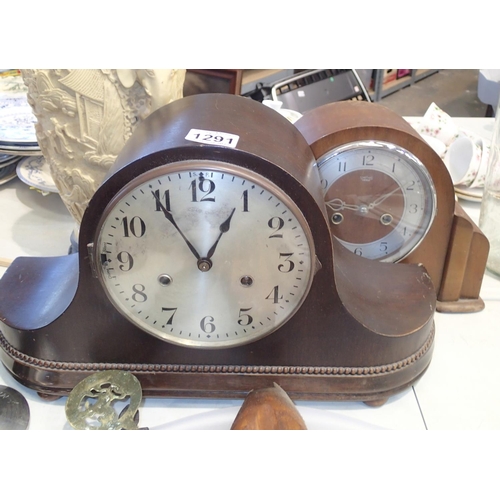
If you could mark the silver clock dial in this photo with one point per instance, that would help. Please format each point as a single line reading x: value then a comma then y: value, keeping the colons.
x: 204, y: 254
x: 381, y: 200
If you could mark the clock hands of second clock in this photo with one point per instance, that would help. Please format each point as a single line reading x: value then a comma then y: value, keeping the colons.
x: 382, y: 198
x: 337, y: 204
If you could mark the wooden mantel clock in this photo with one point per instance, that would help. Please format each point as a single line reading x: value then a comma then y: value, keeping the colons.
x: 207, y: 268
x: 390, y: 197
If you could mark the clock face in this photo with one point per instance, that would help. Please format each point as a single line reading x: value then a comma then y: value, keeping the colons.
x: 380, y: 199
x: 204, y: 254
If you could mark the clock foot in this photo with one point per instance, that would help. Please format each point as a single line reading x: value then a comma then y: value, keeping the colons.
x: 48, y: 397
x: 375, y: 403
x: 460, y: 306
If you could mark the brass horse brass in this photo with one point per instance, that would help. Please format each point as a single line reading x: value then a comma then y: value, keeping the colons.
x: 90, y: 403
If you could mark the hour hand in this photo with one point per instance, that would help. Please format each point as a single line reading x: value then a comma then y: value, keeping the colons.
x: 223, y: 228
x: 338, y: 204
x: 168, y: 215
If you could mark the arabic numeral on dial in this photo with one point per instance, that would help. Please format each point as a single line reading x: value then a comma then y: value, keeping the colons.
x: 207, y: 324
x: 205, y: 186
x: 139, y: 295
x: 277, y: 224
x: 158, y: 200
x: 289, y: 263
x: 169, y: 309
x: 384, y: 246
x: 368, y: 160
x: 245, y: 200
x: 135, y: 227
x: 413, y: 208
x: 410, y: 186
x: 274, y: 295
x: 358, y: 251
x: 126, y: 260
x: 342, y: 166
x: 245, y: 319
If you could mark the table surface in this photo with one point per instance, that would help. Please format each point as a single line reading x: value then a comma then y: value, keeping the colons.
x: 460, y: 390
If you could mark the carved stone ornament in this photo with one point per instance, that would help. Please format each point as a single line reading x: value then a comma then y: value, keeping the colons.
x: 85, y: 116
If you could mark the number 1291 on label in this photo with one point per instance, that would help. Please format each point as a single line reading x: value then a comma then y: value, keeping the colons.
x: 212, y: 137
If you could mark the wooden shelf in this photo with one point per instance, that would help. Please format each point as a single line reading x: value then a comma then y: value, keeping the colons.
x: 257, y: 75
x: 252, y: 77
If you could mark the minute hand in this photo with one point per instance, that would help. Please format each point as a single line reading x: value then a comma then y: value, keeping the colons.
x: 170, y: 218
x: 382, y: 198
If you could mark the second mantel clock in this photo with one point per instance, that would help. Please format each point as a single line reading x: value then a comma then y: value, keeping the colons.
x: 390, y: 198
x: 206, y: 267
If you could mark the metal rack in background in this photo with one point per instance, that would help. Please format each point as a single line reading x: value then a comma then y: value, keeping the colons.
x: 381, y: 89
x: 312, y: 88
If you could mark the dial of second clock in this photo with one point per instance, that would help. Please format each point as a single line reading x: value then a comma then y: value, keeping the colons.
x: 379, y: 200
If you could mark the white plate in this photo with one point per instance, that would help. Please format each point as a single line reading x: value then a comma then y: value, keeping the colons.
x: 8, y: 160
x: 8, y: 178
x: 290, y: 114
x: 12, y: 84
x: 20, y: 151
x: 469, y: 194
x: 17, y: 121
x: 35, y: 172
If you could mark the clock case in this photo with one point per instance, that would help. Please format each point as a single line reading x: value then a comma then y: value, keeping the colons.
x: 364, y: 332
x: 454, y: 251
